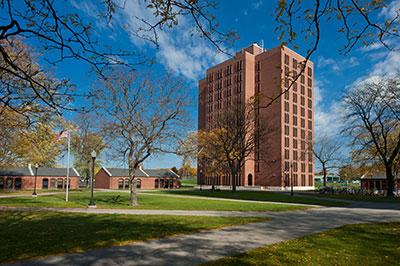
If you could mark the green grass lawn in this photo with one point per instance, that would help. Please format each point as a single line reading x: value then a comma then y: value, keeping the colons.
x: 363, y: 244
x: 26, y: 234
x: 189, y: 182
x: 120, y: 200
x: 257, y: 196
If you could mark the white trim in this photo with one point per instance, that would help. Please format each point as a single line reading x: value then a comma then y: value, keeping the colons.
x: 141, y: 169
x: 108, y: 172
x: 173, y: 172
x: 76, y: 172
x: 30, y: 169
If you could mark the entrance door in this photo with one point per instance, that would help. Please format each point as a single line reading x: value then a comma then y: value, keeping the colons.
x: 45, y: 183
x: 250, y: 180
x: 18, y: 183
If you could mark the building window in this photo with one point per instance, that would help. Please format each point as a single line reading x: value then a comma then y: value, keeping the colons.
x: 18, y: 183
x: 295, y: 144
x: 9, y: 183
x: 286, y: 59
x: 310, y: 168
x: 45, y: 183
x: 287, y: 165
x: 303, y: 111
x: 1, y: 182
x: 120, y: 183
x: 294, y: 132
x: 302, y: 100
x: 286, y: 142
x: 53, y: 183
x: 309, y: 114
x: 309, y: 71
x: 309, y: 93
x: 294, y: 97
x: 294, y: 155
x: 303, y: 180
x: 309, y: 124
x: 302, y: 79
x: 309, y: 82
x: 139, y: 183
x: 286, y: 106
x: 59, y: 183
x: 286, y: 154
x: 295, y: 109
x: 287, y: 130
x: 302, y: 90
x: 294, y: 63
x: 126, y: 183
x: 295, y: 120
x: 294, y: 86
x: 303, y: 123
x: 296, y: 183
x: 303, y: 167
x: 286, y: 118
x: 309, y: 103
x: 310, y: 180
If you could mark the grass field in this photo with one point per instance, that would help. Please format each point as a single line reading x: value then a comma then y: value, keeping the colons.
x: 363, y: 244
x: 26, y: 234
x: 190, y: 183
x: 120, y: 200
x: 257, y: 196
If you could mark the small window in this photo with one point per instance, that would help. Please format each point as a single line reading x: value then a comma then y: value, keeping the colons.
x: 302, y: 79
x: 53, y: 183
x: 45, y: 183
x: 294, y: 132
x: 286, y: 59
x: 59, y: 183
x: 295, y: 120
x: 139, y: 183
x: 120, y: 183
x: 287, y: 154
x: 1, y: 182
x: 18, y: 183
x: 294, y: 63
x: 126, y: 184
x: 295, y: 109
x: 309, y: 71
x: 9, y: 183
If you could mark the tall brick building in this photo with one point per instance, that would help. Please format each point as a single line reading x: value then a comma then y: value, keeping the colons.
x: 283, y: 154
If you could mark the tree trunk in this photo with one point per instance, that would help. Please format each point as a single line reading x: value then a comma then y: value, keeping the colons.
x: 390, y: 181
x: 324, y: 173
x: 133, y: 194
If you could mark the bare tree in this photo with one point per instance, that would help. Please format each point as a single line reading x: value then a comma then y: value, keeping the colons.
x: 234, y: 139
x: 362, y: 23
x: 327, y: 152
x: 142, y: 116
x: 57, y: 34
x: 373, y: 116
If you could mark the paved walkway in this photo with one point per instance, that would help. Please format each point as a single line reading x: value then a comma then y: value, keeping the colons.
x: 201, y: 247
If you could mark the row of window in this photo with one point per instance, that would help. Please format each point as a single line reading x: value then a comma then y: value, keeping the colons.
x: 295, y: 110
x: 296, y: 65
x: 296, y: 181
x: 219, y: 74
x: 16, y: 183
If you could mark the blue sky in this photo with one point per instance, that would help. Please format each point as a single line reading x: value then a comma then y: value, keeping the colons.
x: 253, y: 20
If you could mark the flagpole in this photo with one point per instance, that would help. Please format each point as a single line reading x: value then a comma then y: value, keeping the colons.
x: 67, y: 183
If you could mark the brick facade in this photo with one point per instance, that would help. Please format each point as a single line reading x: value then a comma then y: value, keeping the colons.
x: 283, y: 155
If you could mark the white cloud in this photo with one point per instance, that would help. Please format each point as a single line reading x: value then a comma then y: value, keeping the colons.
x: 327, y: 119
x: 391, y: 11
x: 180, y: 49
x: 337, y: 66
x: 257, y: 4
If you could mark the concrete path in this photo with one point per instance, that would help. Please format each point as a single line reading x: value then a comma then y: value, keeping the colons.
x: 211, y: 245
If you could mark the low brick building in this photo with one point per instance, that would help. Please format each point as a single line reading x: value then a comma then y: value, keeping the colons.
x: 377, y: 182
x: 47, y: 178
x: 117, y: 178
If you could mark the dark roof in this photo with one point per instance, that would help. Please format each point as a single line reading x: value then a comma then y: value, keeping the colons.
x: 19, y: 171
x: 123, y: 172
x: 42, y: 171
x: 160, y: 172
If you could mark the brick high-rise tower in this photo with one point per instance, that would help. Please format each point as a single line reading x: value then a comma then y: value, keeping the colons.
x: 284, y: 154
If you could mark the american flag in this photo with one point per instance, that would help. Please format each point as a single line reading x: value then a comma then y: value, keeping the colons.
x: 63, y: 134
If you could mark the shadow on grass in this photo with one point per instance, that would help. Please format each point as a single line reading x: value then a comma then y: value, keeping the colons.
x: 25, y: 234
